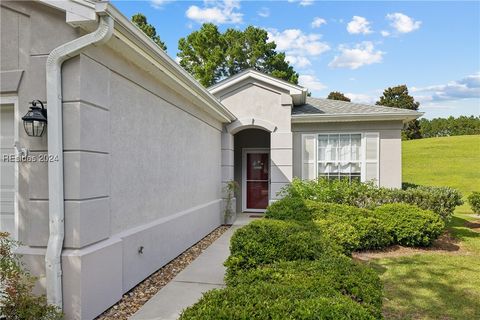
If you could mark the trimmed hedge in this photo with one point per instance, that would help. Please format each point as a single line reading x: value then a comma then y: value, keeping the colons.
x: 333, y: 287
x: 474, y: 201
x: 289, y: 208
x: 441, y: 200
x: 351, y: 227
x: 410, y: 225
x: 266, y: 241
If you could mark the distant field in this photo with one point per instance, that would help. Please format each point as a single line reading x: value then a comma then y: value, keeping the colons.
x: 446, y: 161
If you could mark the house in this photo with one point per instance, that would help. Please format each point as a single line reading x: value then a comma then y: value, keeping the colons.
x: 132, y: 164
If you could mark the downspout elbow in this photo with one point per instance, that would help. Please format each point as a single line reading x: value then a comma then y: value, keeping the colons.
x: 57, y: 56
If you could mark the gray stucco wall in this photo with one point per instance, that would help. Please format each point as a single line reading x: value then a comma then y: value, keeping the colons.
x: 142, y: 163
x: 390, y: 145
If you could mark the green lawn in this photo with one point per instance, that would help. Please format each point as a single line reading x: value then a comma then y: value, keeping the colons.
x: 438, y: 285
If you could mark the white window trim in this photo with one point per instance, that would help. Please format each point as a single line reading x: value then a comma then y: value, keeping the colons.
x: 363, y: 147
x: 14, y: 100
x: 245, y: 151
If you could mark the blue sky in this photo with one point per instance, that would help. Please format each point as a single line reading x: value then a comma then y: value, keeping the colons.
x: 359, y: 48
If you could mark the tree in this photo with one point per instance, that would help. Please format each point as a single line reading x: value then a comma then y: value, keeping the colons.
x: 336, y: 95
x: 202, y: 54
x: 398, y: 97
x: 141, y: 21
x: 210, y: 55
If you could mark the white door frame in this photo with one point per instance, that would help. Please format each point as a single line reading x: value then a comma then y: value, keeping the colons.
x: 245, y: 151
x: 4, y: 99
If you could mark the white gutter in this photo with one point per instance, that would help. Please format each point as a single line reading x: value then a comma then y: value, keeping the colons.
x: 53, y: 262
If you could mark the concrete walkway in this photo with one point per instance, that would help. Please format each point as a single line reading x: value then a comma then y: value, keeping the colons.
x: 206, y: 272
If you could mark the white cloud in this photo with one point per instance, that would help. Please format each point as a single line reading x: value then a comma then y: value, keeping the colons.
x: 218, y: 12
x: 403, y: 23
x: 384, y: 33
x: 466, y: 88
x: 264, y: 12
x: 298, y: 61
x: 310, y: 82
x: 303, y: 3
x: 297, y: 45
x: 361, y: 98
x: 317, y: 22
x: 361, y: 54
x: 158, y: 4
x: 359, y: 25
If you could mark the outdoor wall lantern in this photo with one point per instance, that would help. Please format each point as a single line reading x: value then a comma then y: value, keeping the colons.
x: 35, y: 121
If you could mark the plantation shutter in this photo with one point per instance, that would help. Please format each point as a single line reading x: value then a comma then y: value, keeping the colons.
x: 371, y: 164
x: 308, y: 156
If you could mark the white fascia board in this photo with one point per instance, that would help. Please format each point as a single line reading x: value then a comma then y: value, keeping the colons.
x: 77, y: 11
x: 352, y: 117
x: 298, y: 93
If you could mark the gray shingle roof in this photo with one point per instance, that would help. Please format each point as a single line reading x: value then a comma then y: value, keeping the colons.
x: 318, y: 106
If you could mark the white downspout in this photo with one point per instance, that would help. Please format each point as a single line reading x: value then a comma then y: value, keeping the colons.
x: 53, y: 262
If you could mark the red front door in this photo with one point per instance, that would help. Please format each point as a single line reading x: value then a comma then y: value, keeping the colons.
x: 257, y: 180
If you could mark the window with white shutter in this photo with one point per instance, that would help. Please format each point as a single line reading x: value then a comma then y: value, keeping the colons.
x: 308, y: 156
x: 371, y: 166
x: 352, y: 156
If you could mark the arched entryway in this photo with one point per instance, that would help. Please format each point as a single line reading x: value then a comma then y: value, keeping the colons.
x: 252, y: 169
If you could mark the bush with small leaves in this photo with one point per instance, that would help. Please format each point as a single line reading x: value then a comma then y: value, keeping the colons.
x: 332, y: 287
x: 16, y: 299
x: 441, y: 200
x: 410, y: 225
x: 474, y: 201
x: 266, y: 241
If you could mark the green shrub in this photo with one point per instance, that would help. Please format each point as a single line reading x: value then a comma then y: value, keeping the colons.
x: 333, y: 287
x: 441, y: 200
x: 353, y: 228
x: 16, y: 299
x: 474, y: 201
x: 289, y: 208
x: 266, y: 241
x: 410, y: 225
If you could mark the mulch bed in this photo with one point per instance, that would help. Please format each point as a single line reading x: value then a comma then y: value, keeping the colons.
x: 139, y: 295
x: 446, y: 243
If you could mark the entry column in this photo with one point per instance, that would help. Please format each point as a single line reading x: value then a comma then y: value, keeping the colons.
x: 281, y: 162
x: 227, y: 166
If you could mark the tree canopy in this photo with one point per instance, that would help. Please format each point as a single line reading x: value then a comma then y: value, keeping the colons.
x: 336, y: 95
x: 398, y: 97
x: 210, y: 55
x: 444, y: 127
x: 141, y: 21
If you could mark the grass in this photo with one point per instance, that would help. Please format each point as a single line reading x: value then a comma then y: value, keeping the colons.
x: 438, y: 285
x: 446, y: 161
